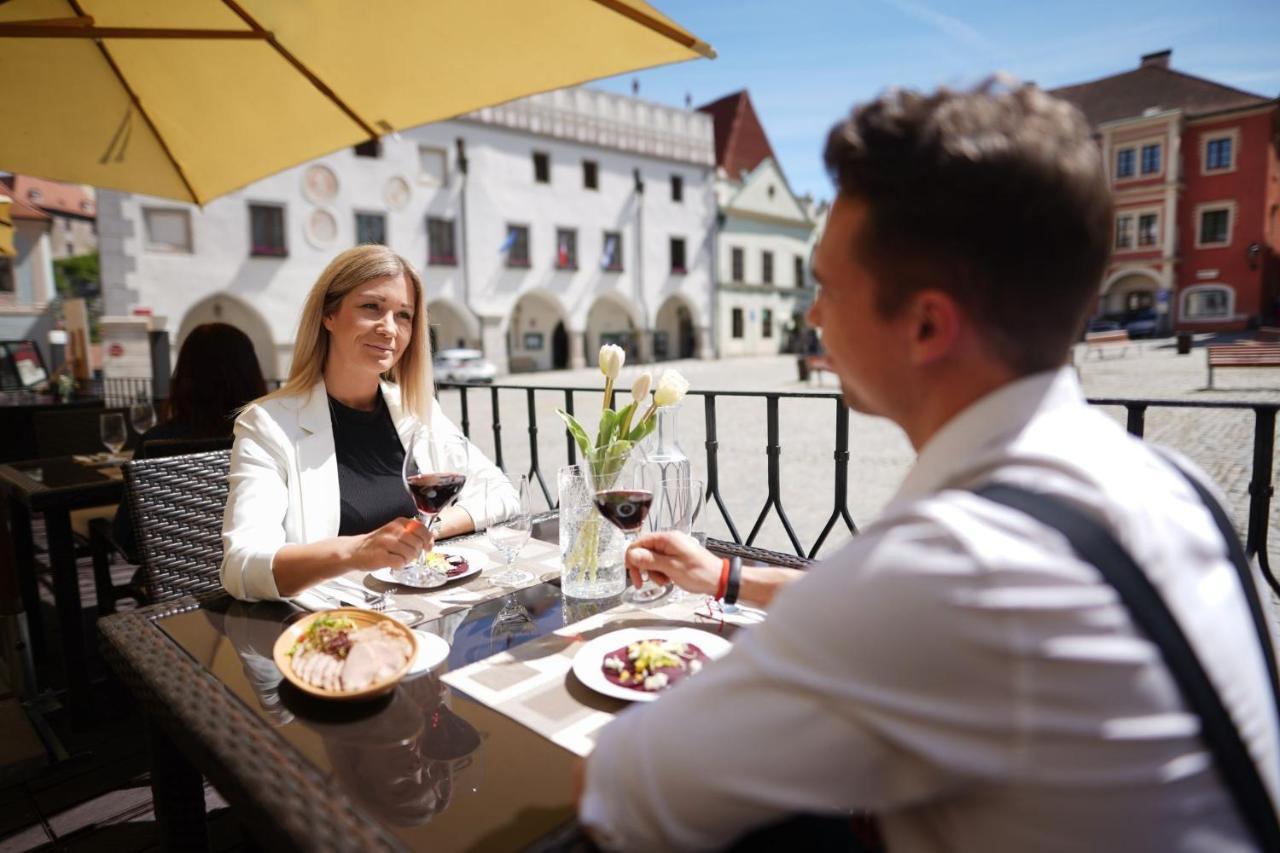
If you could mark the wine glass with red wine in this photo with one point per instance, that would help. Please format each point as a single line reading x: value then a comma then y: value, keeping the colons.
x: 435, y: 470
x: 623, y: 485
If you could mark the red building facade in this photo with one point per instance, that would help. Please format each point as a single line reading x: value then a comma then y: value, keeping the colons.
x: 1195, y: 170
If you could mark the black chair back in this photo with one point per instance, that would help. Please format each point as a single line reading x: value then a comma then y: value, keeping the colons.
x: 71, y: 431
x: 158, y: 448
x: 177, y: 505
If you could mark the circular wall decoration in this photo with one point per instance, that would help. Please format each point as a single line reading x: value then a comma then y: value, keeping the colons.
x: 319, y: 184
x: 396, y: 193
x: 322, y: 228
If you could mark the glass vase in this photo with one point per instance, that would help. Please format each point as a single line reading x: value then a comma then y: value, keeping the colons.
x: 591, y: 549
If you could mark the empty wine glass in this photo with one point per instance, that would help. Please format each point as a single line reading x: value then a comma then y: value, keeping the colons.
x: 142, y: 415
x: 510, y: 535
x: 677, y: 504
x: 435, y: 470
x: 112, y: 431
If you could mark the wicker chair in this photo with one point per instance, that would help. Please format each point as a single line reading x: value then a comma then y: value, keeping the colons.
x: 177, y: 507
x: 102, y: 539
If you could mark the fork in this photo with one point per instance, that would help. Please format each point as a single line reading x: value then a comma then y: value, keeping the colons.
x: 371, y: 601
x: 352, y: 586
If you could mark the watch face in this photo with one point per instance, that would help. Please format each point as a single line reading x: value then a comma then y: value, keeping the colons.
x: 396, y: 193
x: 319, y: 184
x: 322, y: 229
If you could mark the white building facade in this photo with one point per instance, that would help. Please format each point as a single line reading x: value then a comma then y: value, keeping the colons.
x: 763, y: 284
x: 542, y: 228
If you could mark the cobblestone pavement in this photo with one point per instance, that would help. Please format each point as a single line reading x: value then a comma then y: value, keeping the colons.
x: 1221, y: 441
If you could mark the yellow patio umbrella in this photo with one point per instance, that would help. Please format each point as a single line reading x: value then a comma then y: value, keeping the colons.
x: 190, y: 99
x: 6, y: 226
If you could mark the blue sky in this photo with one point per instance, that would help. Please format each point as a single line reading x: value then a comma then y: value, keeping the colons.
x: 806, y: 62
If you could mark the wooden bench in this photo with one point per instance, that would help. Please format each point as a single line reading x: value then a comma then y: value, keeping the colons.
x: 1269, y: 334
x: 1243, y: 355
x: 1101, y: 342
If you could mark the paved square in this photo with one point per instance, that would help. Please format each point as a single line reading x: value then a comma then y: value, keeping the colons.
x: 1221, y: 441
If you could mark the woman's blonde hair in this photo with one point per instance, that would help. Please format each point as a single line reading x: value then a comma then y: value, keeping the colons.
x: 346, y: 272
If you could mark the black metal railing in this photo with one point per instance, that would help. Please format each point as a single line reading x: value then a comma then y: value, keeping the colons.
x: 117, y: 392
x: 714, y: 495
x: 1260, y: 489
x: 121, y: 392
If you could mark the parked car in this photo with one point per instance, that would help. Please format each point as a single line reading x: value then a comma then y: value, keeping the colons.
x: 1142, y: 325
x: 463, y: 365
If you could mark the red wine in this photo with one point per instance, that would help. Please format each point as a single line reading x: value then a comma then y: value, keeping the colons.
x: 624, y: 508
x: 433, y: 492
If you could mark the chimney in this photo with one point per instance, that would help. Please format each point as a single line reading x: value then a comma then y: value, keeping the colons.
x: 1159, y: 59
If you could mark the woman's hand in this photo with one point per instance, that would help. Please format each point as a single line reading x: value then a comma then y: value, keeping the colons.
x: 675, y: 557
x: 396, y: 544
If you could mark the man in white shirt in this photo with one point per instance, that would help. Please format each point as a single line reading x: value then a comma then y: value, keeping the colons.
x: 956, y: 669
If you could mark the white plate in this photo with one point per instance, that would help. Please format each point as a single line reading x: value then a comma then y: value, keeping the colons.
x: 588, y: 662
x: 476, y: 562
x: 432, y: 651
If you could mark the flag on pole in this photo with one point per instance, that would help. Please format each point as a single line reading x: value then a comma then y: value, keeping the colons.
x: 508, y: 242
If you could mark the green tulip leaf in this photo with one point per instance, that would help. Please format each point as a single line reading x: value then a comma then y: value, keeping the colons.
x: 608, y: 425
x: 576, y: 430
x: 642, y: 430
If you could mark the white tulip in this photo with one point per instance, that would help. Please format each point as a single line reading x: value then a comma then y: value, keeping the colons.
x: 612, y: 357
x: 640, y: 390
x: 671, y: 389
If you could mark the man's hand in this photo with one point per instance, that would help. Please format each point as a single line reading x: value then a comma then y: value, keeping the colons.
x: 396, y: 544
x: 675, y: 557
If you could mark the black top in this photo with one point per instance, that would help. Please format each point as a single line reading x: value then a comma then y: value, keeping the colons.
x: 370, y: 459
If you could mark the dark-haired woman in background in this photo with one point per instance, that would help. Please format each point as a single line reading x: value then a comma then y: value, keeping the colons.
x: 216, y: 375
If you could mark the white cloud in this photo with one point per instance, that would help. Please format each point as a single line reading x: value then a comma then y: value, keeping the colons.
x: 946, y: 24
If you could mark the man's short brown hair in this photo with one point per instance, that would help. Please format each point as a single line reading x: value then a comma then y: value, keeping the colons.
x: 996, y: 196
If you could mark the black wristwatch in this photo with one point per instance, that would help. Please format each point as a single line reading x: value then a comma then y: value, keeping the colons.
x: 735, y: 581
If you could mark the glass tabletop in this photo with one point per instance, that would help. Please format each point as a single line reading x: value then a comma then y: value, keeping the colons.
x: 61, y: 472
x: 436, y: 768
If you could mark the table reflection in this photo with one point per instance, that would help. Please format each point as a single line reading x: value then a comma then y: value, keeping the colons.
x: 402, y: 757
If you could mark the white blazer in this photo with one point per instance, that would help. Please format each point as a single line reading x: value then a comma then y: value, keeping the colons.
x: 284, y: 484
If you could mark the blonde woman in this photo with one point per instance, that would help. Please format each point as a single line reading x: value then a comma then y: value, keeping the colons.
x: 316, y: 487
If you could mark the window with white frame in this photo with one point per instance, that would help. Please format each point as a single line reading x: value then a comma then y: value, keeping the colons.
x: 1151, y: 159
x: 1213, y: 224
x: 1208, y: 302
x: 7, y: 278
x: 168, y: 229
x: 1125, y: 160
x: 442, y: 248
x: 371, y: 228
x: 1218, y: 151
x: 266, y: 231
x: 433, y: 165
x: 1148, y: 229
x: 1124, y: 231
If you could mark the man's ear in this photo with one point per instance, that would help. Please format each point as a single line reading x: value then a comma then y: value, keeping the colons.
x: 936, y: 326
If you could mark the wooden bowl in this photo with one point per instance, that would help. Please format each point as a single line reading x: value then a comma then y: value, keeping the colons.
x: 361, y: 619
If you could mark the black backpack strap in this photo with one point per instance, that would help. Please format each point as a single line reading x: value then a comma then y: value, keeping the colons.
x: 1094, y: 544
